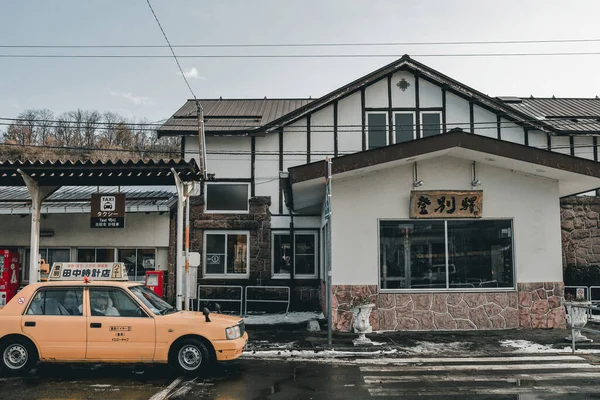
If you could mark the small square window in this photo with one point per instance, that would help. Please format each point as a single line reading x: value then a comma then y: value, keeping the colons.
x: 226, y: 254
x: 226, y: 197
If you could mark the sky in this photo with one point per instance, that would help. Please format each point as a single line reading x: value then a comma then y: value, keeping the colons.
x: 153, y: 89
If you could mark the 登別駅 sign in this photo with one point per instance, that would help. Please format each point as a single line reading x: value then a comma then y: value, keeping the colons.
x: 107, y: 211
x: 446, y: 204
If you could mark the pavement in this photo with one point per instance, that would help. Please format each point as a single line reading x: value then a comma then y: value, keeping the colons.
x: 294, y: 340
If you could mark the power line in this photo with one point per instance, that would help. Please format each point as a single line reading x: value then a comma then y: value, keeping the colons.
x: 259, y: 56
x: 172, y: 51
x: 355, y: 44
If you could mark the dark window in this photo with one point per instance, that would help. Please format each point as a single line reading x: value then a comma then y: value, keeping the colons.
x: 227, y: 197
x: 413, y: 254
x: 67, y: 301
x: 137, y: 262
x: 404, y: 126
x: 226, y: 253
x: 431, y: 124
x: 305, y: 254
x: 95, y: 255
x: 377, y: 129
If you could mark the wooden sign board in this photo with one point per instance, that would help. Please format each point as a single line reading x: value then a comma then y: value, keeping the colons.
x: 446, y: 204
x: 107, y: 211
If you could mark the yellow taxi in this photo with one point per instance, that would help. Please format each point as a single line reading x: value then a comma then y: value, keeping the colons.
x: 90, y: 312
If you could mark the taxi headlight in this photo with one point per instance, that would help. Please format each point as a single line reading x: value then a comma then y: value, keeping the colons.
x: 233, y: 333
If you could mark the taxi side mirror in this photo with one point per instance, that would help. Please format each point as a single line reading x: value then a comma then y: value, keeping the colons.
x: 206, y: 314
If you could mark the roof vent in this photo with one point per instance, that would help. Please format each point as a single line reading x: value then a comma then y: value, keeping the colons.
x: 510, y: 99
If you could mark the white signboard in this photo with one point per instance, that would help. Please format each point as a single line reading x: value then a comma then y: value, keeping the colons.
x: 94, y: 271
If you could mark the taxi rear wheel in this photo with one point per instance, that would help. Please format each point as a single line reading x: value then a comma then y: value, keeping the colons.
x: 18, y: 356
x: 190, y: 357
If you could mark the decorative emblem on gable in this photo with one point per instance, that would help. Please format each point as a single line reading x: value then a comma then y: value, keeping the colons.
x: 403, y: 84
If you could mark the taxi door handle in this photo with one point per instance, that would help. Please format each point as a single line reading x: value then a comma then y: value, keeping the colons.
x: 95, y: 325
x: 29, y: 323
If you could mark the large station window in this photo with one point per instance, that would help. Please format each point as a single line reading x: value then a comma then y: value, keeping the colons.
x: 95, y: 255
x: 305, y: 255
x: 453, y: 254
x: 226, y: 197
x: 226, y: 254
x: 49, y: 255
x: 137, y: 262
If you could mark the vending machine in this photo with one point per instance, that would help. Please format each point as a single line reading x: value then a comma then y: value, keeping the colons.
x: 155, y: 281
x: 9, y: 275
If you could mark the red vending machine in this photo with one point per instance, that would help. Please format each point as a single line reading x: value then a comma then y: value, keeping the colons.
x: 155, y: 281
x: 9, y: 275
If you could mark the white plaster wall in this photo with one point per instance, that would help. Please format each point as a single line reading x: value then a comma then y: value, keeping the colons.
x: 485, y: 122
x: 294, y: 140
x: 73, y: 230
x: 350, y: 124
x: 406, y: 98
x: 538, y: 139
x: 430, y: 95
x: 228, y: 165
x: 512, y: 132
x: 584, y: 147
x: 191, y: 148
x: 561, y: 144
x: 267, y: 168
x: 376, y: 95
x: 321, y: 137
x: 457, y: 113
x: 359, y: 202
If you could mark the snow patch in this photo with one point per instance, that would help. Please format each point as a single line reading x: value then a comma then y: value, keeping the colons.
x: 526, y: 346
x: 435, y: 348
x: 289, y: 318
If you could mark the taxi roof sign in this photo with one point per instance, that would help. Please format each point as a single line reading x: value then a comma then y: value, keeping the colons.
x: 75, y: 271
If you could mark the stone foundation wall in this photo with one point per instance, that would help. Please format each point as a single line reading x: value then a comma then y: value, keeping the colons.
x: 454, y: 310
x: 541, y: 305
x: 579, y: 219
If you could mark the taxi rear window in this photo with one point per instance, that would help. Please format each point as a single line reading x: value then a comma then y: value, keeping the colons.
x: 63, y: 301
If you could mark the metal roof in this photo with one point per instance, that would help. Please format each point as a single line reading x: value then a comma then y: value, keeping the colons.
x: 228, y: 116
x: 565, y: 115
x: 76, y: 199
x: 98, y: 173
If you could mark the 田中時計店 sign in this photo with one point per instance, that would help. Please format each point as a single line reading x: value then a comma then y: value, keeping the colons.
x: 446, y: 204
x: 107, y: 211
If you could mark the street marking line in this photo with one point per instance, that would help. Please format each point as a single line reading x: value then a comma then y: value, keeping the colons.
x: 163, y: 394
x: 483, y: 367
x: 425, y: 360
x: 488, y: 391
x: 376, y: 379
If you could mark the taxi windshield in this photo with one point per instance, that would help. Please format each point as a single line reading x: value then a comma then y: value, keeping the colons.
x: 157, y: 305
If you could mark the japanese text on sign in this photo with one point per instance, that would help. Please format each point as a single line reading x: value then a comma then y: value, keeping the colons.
x: 446, y: 204
x: 94, y: 271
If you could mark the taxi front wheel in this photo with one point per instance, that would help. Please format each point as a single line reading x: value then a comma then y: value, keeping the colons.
x: 190, y: 357
x: 18, y: 356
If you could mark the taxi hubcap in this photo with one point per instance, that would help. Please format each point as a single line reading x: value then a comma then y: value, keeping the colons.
x: 15, y: 356
x: 190, y: 357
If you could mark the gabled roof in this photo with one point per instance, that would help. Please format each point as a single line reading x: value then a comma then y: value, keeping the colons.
x: 252, y: 122
x: 564, y: 115
x: 228, y: 116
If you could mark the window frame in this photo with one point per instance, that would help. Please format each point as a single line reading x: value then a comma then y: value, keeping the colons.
x: 447, y: 289
x: 421, y: 121
x: 25, y: 257
x: 315, y: 234
x: 114, y: 289
x: 133, y: 279
x: 207, y: 211
x: 114, y: 249
x: 55, y: 288
x: 414, y: 128
x: 225, y: 275
x: 387, y: 127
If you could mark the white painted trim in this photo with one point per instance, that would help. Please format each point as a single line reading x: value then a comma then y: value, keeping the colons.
x: 447, y: 289
x: 387, y: 126
x: 414, y: 129
x: 225, y: 275
x: 207, y: 211
x: 315, y: 234
x: 421, y: 120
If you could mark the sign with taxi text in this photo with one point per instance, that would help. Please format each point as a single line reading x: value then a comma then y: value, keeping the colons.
x: 446, y: 204
x: 107, y: 271
x: 107, y: 211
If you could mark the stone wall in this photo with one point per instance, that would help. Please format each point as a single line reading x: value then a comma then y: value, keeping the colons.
x: 580, y: 230
x: 539, y: 305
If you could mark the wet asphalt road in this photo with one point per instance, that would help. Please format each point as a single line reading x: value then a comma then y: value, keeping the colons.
x: 546, y: 377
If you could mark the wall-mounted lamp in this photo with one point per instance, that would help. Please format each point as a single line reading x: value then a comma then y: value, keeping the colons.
x: 416, y: 181
x: 474, y: 181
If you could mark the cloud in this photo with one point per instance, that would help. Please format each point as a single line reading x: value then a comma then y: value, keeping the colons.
x: 192, y: 73
x: 139, y: 100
